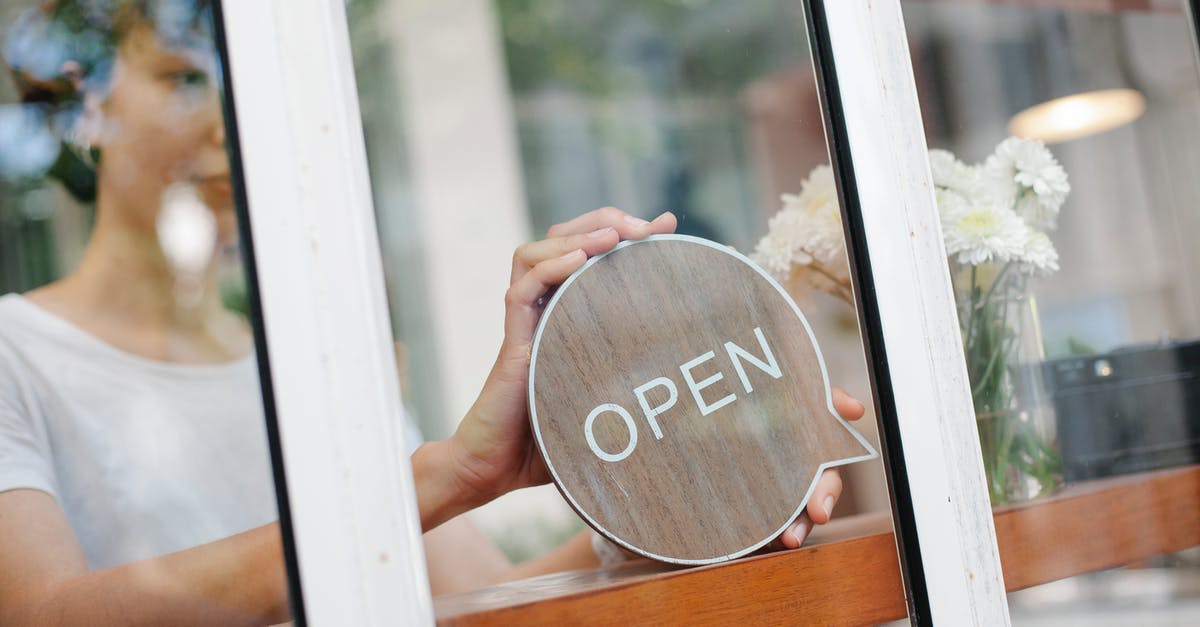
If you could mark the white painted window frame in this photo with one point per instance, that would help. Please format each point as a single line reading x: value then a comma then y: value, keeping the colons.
x: 346, y: 487
x: 349, y: 506
x: 940, y: 505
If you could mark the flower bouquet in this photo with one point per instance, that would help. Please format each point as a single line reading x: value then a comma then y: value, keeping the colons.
x: 996, y: 218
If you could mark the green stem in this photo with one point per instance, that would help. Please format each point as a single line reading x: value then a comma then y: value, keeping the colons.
x: 999, y: 278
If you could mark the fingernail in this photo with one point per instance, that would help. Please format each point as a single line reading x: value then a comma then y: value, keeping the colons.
x: 829, y: 505
x: 600, y: 232
x: 861, y: 407
x: 635, y: 221
x: 800, y: 531
x: 572, y: 253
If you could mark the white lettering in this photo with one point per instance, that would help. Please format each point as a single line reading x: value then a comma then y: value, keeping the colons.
x: 736, y: 353
x: 651, y: 413
x: 705, y: 408
x: 589, y: 424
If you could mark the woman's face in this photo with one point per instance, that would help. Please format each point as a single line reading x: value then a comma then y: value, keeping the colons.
x: 161, y: 124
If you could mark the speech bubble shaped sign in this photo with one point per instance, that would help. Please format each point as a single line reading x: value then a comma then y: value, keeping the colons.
x: 681, y: 402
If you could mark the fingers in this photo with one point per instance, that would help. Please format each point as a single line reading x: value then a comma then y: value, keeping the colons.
x: 520, y: 303
x: 825, y: 497
x: 595, y: 233
x: 818, y: 512
x: 664, y: 223
x: 797, y: 532
x: 630, y: 227
x: 829, y: 487
x: 538, y: 267
x: 592, y: 243
x: 847, y: 406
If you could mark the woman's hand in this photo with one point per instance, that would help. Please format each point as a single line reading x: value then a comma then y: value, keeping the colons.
x: 492, y: 451
x: 829, y: 486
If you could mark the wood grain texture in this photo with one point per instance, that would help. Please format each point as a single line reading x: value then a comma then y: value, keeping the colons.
x: 849, y: 574
x: 1098, y: 525
x: 855, y: 584
x: 713, y: 485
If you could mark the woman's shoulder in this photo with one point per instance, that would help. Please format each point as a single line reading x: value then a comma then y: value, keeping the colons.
x: 21, y: 324
x: 17, y: 314
x: 35, y: 347
x: 15, y: 324
x: 14, y: 363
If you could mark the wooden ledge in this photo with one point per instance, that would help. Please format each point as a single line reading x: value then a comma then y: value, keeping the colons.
x: 849, y: 572
x: 1098, y: 525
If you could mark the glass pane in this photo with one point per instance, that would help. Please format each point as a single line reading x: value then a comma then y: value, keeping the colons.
x: 131, y: 416
x: 1071, y: 250
x: 489, y: 123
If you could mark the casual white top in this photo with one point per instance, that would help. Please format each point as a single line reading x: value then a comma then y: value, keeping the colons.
x: 146, y: 458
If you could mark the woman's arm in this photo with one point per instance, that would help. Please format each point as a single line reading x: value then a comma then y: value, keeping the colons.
x: 44, y: 578
x: 462, y: 557
x: 492, y: 452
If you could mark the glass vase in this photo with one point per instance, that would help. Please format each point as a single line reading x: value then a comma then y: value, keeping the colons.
x: 1004, y: 353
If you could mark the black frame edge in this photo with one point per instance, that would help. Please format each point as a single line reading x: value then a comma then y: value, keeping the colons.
x: 903, y: 514
x: 238, y: 179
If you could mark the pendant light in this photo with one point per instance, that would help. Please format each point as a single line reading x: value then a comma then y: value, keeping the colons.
x: 1078, y: 115
x: 1079, y: 85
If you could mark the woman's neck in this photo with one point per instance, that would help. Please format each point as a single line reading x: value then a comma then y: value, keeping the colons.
x: 125, y: 272
x: 126, y: 292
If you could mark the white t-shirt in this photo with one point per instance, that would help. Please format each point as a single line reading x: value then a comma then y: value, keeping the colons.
x: 146, y: 458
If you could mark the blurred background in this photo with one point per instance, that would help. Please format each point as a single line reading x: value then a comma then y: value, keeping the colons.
x: 487, y: 122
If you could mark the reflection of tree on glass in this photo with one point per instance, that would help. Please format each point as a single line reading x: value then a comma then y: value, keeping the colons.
x: 134, y: 480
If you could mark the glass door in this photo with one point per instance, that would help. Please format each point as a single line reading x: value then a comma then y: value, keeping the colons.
x: 492, y: 124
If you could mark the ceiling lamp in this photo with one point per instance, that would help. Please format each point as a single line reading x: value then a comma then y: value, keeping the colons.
x: 1078, y: 115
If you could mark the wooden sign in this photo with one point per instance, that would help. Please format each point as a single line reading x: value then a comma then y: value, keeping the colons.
x: 680, y: 400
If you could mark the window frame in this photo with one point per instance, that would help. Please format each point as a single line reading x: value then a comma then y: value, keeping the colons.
x: 349, y: 511
x: 940, y: 507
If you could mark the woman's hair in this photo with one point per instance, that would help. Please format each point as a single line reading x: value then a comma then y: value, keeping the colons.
x: 63, y: 49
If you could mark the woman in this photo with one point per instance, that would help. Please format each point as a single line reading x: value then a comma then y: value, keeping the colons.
x: 134, y: 486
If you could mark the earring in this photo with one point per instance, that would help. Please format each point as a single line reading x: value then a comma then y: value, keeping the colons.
x: 81, y: 146
x: 85, y: 130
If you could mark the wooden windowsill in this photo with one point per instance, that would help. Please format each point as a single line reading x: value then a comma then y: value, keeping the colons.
x: 849, y: 572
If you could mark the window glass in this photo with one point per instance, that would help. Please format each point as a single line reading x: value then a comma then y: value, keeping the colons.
x: 131, y: 416
x: 489, y: 122
x: 1064, y: 137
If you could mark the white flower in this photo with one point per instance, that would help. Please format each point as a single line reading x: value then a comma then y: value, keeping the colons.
x: 978, y: 232
x: 949, y: 202
x: 807, y: 228
x: 1037, y: 255
x: 951, y: 174
x: 1037, y: 182
x: 995, y: 212
x: 819, y: 201
x: 781, y: 246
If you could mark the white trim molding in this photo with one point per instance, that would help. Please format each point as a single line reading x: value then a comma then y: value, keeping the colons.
x: 333, y: 376
x: 915, y: 341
